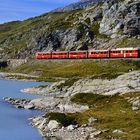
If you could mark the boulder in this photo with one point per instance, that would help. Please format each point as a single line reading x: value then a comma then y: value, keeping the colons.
x: 53, y: 124
x: 29, y: 106
x: 71, y: 127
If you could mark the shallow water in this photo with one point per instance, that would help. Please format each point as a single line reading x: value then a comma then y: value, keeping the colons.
x: 14, y: 124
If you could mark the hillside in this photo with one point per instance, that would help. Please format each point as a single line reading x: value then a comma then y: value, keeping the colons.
x: 82, y: 4
x: 108, y: 24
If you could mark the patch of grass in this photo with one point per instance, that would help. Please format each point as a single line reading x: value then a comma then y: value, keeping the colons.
x: 128, y: 42
x: 89, y: 98
x: 112, y: 112
x: 64, y: 119
x: 68, y: 83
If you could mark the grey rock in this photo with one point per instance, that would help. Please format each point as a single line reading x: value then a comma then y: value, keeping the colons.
x: 29, y: 106
x: 71, y: 127
x: 92, y: 120
x: 94, y: 134
x: 120, y: 17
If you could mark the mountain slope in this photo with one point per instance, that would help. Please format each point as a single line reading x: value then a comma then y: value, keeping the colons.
x: 111, y: 24
x: 78, y: 5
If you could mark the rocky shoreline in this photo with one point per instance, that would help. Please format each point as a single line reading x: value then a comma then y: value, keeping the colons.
x: 17, y: 76
x: 58, y: 100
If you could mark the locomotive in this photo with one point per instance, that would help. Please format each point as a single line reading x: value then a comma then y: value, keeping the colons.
x: 91, y: 54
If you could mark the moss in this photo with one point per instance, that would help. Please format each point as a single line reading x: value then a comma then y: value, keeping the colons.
x: 89, y: 98
x: 64, y: 119
x: 68, y: 83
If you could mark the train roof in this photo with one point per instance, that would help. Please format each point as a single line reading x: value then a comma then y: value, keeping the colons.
x: 96, y: 50
x: 124, y: 48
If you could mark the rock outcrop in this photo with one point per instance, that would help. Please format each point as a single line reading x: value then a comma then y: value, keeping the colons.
x: 128, y: 82
x: 120, y: 17
x: 78, y: 5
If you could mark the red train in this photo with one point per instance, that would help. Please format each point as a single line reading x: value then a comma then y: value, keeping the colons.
x: 91, y: 54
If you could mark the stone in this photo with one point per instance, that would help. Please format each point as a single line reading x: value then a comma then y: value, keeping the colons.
x: 135, y: 108
x: 136, y: 103
x: 71, y: 127
x: 91, y: 120
x: 53, y: 124
x: 119, y: 131
x: 95, y: 134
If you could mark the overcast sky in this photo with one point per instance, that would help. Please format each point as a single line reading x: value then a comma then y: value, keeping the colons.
x: 11, y: 10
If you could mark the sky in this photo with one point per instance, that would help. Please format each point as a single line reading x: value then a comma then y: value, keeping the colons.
x: 12, y: 10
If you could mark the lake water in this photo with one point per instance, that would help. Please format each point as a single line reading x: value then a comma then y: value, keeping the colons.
x: 14, y: 124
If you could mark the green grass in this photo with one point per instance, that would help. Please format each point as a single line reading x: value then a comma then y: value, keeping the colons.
x: 112, y: 112
x: 77, y: 68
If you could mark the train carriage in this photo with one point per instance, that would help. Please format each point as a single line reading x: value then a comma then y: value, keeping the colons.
x: 91, y: 54
x: 124, y: 53
x: 60, y: 55
x: 78, y: 54
x: 98, y: 54
x: 43, y: 55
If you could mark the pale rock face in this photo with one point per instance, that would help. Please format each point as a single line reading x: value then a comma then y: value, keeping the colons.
x: 128, y: 82
x: 120, y: 16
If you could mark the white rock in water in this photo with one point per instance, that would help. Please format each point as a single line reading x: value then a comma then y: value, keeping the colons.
x: 53, y: 124
x: 29, y: 106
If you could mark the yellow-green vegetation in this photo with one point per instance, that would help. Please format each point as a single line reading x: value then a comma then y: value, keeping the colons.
x: 112, y: 112
x: 128, y: 42
x: 50, y: 69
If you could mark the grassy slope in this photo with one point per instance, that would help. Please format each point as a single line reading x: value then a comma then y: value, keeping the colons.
x: 14, y: 36
x: 77, y: 68
x: 112, y: 112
